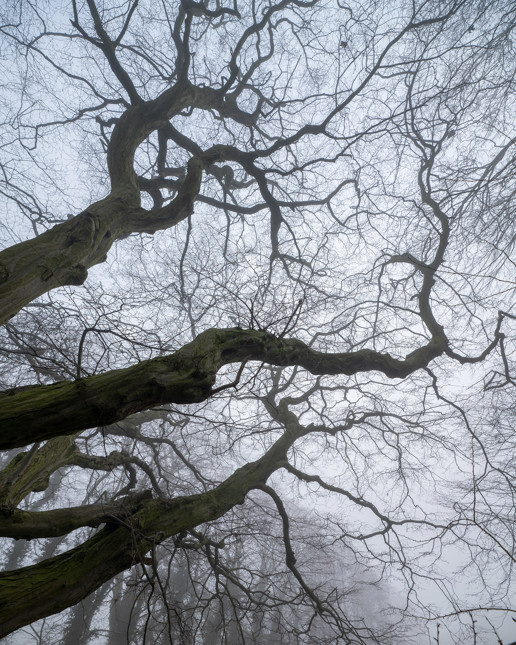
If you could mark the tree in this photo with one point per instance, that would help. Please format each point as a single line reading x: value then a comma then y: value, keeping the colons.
x: 304, y: 209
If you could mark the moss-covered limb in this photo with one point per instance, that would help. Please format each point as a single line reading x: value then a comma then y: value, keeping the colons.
x: 28, y: 525
x: 165, y: 517
x: 100, y: 462
x: 66, y: 407
x: 30, y: 471
x: 31, y: 593
x: 64, y: 580
x: 41, y: 412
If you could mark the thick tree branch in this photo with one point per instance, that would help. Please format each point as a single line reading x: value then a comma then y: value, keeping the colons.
x: 28, y: 525
x: 40, y: 412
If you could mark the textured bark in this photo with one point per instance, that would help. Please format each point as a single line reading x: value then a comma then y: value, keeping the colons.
x: 49, y: 587
x: 63, y: 255
x: 30, y: 471
x: 60, y: 256
x: 41, y: 412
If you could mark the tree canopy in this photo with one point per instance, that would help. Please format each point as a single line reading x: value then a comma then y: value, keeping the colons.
x: 257, y: 293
